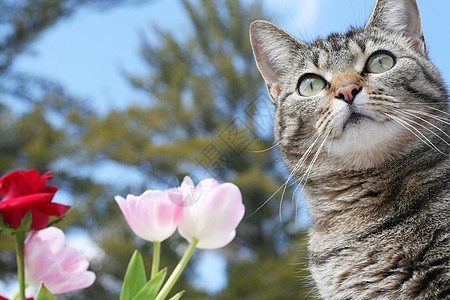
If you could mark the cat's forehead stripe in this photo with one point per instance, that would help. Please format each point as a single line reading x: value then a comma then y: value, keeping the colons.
x: 322, y: 59
x: 339, y: 51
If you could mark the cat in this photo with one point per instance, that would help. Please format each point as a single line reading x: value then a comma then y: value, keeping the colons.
x: 362, y: 122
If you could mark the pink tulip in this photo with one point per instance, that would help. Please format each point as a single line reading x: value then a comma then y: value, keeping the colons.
x: 213, y: 213
x: 61, y: 269
x: 152, y: 216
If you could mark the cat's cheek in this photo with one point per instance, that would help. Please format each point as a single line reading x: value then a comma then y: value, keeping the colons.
x: 277, y: 127
x: 331, y: 121
x: 286, y: 127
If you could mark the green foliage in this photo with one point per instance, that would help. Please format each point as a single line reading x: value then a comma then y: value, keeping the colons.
x: 135, y: 277
x: 44, y: 294
x: 152, y: 287
x: 177, y: 296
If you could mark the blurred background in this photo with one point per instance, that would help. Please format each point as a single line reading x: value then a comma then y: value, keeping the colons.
x: 117, y: 97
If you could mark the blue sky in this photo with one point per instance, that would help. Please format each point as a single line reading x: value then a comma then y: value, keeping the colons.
x: 89, y: 52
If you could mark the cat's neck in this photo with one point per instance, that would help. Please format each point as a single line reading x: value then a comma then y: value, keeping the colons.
x: 342, y: 201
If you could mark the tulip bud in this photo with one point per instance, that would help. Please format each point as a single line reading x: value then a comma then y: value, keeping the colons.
x: 214, y: 214
x: 152, y: 216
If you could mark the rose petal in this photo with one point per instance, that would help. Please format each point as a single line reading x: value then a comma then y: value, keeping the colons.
x: 24, y: 191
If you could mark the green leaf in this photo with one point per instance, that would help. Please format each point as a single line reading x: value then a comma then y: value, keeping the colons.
x: 151, y: 289
x: 135, y: 277
x: 44, y: 294
x: 177, y: 296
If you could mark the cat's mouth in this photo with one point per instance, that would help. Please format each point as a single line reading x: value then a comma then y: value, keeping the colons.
x: 356, y: 119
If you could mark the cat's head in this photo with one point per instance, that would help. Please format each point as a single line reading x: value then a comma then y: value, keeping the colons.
x: 363, y: 97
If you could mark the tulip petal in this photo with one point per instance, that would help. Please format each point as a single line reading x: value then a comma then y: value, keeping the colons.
x: 217, y: 241
x: 152, y: 216
x: 187, y: 189
x: 71, y: 261
x: 175, y: 195
x: 214, y: 218
x: 81, y: 281
x: 61, y: 269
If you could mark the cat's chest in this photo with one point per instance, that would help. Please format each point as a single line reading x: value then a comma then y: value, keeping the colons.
x: 356, y: 271
x: 388, y: 262
x: 373, y: 236
x: 342, y: 197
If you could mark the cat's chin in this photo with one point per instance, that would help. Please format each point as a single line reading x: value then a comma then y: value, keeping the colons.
x: 365, y: 143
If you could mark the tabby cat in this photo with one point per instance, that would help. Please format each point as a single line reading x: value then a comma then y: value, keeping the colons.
x: 362, y: 122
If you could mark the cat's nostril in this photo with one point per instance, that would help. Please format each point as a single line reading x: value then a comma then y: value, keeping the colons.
x: 355, y: 92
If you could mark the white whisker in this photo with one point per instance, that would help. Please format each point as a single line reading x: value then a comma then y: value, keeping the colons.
x: 296, y: 203
x: 305, y: 176
x: 429, y: 123
x: 443, y: 120
x: 308, y: 171
x: 425, y: 103
x: 419, y: 134
x: 294, y: 170
x: 285, y: 184
x: 441, y: 111
x: 265, y: 150
x: 427, y: 129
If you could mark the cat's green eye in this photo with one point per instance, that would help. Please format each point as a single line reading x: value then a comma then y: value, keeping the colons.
x: 311, y: 85
x: 380, y: 62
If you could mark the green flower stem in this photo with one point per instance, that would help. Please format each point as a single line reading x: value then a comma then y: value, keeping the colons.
x: 178, y: 270
x: 156, y: 257
x: 20, y: 253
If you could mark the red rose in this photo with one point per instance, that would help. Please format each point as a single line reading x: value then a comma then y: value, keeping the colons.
x: 26, y: 190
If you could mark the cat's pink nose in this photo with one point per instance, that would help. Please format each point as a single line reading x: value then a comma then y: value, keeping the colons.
x: 348, y: 92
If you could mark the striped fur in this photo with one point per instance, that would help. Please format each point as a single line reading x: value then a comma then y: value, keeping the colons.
x: 377, y: 187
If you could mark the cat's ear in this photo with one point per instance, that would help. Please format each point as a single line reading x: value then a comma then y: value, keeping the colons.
x: 399, y: 15
x: 272, y: 48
